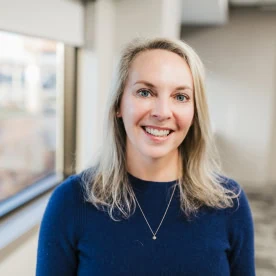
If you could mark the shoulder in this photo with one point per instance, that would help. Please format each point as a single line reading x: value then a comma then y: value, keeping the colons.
x: 241, y: 200
x: 230, y: 184
x: 66, y: 202
x: 239, y: 215
x: 69, y: 192
x: 69, y: 185
x: 62, y: 219
x: 240, y: 229
x: 72, y: 182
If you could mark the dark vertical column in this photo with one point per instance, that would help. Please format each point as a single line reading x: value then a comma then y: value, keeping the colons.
x: 70, y: 109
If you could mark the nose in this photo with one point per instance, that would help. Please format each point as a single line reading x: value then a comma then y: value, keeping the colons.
x: 161, y: 109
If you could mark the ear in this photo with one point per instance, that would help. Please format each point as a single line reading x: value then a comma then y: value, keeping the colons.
x: 118, y: 114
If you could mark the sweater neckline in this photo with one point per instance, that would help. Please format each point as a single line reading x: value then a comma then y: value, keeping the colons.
x: 137, y: 181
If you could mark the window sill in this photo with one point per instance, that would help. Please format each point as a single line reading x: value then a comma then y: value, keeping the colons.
x: 25, y: 218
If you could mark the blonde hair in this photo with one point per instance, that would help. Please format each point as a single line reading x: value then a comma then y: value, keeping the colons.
x: 106, y: 184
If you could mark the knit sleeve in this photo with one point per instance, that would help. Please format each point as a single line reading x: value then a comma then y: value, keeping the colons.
x: 241, y: 237
x: 56, y: 254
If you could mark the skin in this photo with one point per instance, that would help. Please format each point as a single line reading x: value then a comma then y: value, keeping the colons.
x: 158, y: 94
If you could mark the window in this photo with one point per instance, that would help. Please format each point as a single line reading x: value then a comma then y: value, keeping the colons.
x: 30, y: 93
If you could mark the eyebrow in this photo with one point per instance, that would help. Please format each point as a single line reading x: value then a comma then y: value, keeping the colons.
x: 183, y: 87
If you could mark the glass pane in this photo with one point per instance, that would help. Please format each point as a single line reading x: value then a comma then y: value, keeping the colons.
x: 28, y: 97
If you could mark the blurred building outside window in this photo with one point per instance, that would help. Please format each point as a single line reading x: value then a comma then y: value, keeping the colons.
x: 28, y: 111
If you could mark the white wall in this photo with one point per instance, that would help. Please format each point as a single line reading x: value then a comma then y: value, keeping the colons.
x: 202, y: 12
x: 241, y: 62
x: 60, y: 20
x: 95, y: 70
x: 146, y: 18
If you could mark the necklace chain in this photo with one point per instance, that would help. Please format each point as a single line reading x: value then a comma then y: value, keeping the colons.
x: 154, y: 233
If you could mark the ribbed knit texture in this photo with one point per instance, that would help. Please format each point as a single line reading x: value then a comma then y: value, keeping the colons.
x: 77, y: 239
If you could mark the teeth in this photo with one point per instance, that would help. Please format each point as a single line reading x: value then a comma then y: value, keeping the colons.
x: 156, y: 132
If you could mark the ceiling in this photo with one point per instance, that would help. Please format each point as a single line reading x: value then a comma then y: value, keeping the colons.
x: 215, y: 12
x: 252, y: 2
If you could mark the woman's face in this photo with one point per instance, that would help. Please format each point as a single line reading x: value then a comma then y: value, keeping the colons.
x: 157, y: 105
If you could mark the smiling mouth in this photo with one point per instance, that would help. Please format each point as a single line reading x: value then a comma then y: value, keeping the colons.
x: 157, y: 132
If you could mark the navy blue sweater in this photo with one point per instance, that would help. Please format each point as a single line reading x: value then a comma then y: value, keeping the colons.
x: 77, y: 239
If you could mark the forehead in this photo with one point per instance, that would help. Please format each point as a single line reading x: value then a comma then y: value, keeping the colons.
x: 160, y: 65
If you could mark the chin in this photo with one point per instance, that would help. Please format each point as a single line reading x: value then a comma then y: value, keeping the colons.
x: 156, y: 154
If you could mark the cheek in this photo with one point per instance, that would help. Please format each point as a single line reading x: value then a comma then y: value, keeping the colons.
x: 129, y: 112
x: 185, y: 118
x: 133, y: 110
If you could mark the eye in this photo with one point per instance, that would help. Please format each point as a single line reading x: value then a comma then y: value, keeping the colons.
x: 181, y: 97
x: 144, y: 93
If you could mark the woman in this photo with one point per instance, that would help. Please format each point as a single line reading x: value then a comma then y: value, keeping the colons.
x: 155, y: 203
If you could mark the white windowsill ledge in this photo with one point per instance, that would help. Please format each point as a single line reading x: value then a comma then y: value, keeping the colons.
x: 21, y: 221
x: 18, y: 223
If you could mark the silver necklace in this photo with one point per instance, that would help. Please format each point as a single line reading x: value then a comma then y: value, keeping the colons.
x: 154, y: 233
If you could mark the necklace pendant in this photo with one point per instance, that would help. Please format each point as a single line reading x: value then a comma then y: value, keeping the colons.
x: 154, y: 237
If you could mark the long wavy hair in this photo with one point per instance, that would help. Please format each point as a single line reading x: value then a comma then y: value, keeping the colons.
x: 106, y: 183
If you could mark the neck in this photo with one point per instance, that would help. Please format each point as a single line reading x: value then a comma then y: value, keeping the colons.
x: 163, y: 169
